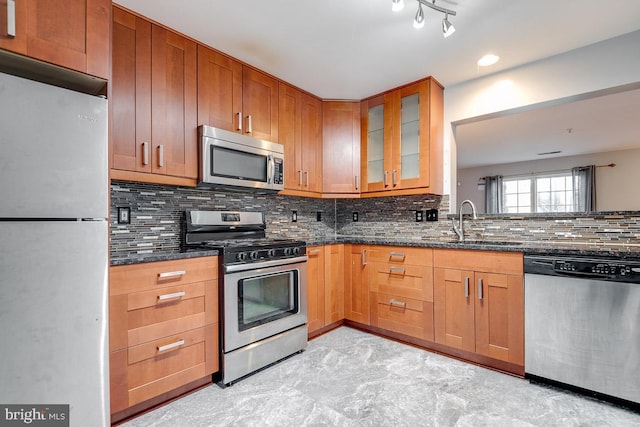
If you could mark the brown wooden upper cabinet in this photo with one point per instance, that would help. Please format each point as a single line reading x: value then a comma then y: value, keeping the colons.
x: 236, y: 97
x: 401, y: 138
x: 300, y: 129
x: 153, y: 103
x: 341, y: 148
x: 70, y: 33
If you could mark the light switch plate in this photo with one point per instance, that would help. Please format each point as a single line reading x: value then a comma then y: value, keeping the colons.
x: 294, y: 216
x: 124, y: 215
x: 355, y: 217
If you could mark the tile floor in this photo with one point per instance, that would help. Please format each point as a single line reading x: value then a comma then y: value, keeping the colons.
x: 351, y: 378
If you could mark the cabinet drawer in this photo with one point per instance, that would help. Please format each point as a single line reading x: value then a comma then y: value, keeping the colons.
x: 400, y: 255
x: 484, y: 261
x: 409, y: 281
x: 403, y: 315
x: 153, y: 370
x: 141, y: 277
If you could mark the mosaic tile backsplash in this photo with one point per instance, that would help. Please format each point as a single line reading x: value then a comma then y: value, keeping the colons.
x: 157, y: 215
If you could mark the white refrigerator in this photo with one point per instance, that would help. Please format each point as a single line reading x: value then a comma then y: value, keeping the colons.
x: 53, y: 251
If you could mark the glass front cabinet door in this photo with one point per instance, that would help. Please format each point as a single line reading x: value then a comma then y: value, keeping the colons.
x: 402, y: 139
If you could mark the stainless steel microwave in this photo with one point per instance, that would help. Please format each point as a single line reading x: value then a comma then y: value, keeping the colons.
x: 229, y: 159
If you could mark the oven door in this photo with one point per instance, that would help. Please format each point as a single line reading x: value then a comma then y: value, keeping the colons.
x: 262, y: 300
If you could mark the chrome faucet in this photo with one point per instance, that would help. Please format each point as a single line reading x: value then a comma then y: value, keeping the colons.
x: 459, y: 228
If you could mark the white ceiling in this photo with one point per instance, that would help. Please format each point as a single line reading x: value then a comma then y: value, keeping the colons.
x: 352, y: 49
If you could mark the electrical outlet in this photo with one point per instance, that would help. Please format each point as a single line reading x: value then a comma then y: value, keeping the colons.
x: 431, y: 214
x: 419, y: 216
x: 294, y: 216
x: 318, y: 216
x: 355, y: 217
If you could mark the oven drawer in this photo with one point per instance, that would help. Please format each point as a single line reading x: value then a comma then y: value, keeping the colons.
x: 403, y: 315
x: 162, y: 365
x: 141, y: 277
x: 410, y: 281
x: 400, y: 255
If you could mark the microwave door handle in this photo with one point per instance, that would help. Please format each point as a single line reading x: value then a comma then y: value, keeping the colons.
x: 271, y: 166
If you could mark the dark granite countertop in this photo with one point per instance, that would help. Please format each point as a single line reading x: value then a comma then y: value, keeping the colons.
x: 168, y: 255
x: 613, y: 250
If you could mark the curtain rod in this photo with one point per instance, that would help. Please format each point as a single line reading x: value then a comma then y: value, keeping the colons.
x: 610, y: 165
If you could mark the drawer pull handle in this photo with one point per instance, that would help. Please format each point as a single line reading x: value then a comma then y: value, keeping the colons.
x: 172, y: 274
x: 314, y: 252
x: 396, y: 255
x: 396, y: 270
x: 171, y: 346
x: 466, y: 287
x: 480, y: 289
x: 397, y: 303
x: 171, y: 296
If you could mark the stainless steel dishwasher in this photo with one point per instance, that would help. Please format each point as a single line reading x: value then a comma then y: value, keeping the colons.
x: 582, y: 324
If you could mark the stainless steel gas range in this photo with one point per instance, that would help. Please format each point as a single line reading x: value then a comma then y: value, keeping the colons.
x: 263, y: 299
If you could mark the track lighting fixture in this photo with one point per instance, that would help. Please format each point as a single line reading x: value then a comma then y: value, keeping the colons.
x: 418, y: 22
x: 447, y: 27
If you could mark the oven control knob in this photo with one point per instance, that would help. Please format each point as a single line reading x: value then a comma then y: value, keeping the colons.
x: 287, y: 251
x: 296, y: 251
x: 271, y: 253
x: 253, y: 255
x: 241, y: 256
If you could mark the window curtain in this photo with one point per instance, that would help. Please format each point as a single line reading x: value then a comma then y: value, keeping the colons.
x: 584, y: 188
x: 493, y: 194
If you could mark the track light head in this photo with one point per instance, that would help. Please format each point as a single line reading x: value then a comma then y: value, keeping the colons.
x: 447, y: 27
x: 419, y: 21
x: 397, y: 5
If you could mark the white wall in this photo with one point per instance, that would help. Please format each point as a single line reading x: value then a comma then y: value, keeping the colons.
x: 616, y: 188
x: 603, y: 65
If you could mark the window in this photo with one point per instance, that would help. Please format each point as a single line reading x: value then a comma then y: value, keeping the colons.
x: 538, y: 193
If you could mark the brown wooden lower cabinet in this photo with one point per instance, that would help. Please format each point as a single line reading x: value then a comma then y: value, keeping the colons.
x: 480, y: 308
x: 356, y: 290
x: 325, y: 287
x: 163, y: 330
x: 403, y: 315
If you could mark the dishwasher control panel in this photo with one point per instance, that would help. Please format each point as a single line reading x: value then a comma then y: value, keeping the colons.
x: 603, y: 269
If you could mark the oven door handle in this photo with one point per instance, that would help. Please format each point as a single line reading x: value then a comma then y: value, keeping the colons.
x: 263, y: 264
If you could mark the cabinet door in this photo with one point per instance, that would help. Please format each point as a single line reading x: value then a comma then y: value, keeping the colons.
x: 219, y: 90
x: 300, y: 131
x: 315, y: 288
x: 454, y: 308
x: 411, y: 143
x: 377, y: 131
x: 73, y: 34
x: 311, y: 143
x: 260, y: 104
x: 341, y: 147
x: 130, y: 92
x: 356, y: 291
x: 334, y: 284
x: 174, y: 104
x: 499, y: 310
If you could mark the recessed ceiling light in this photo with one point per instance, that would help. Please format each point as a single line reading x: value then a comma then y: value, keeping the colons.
x: 488, y: 59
